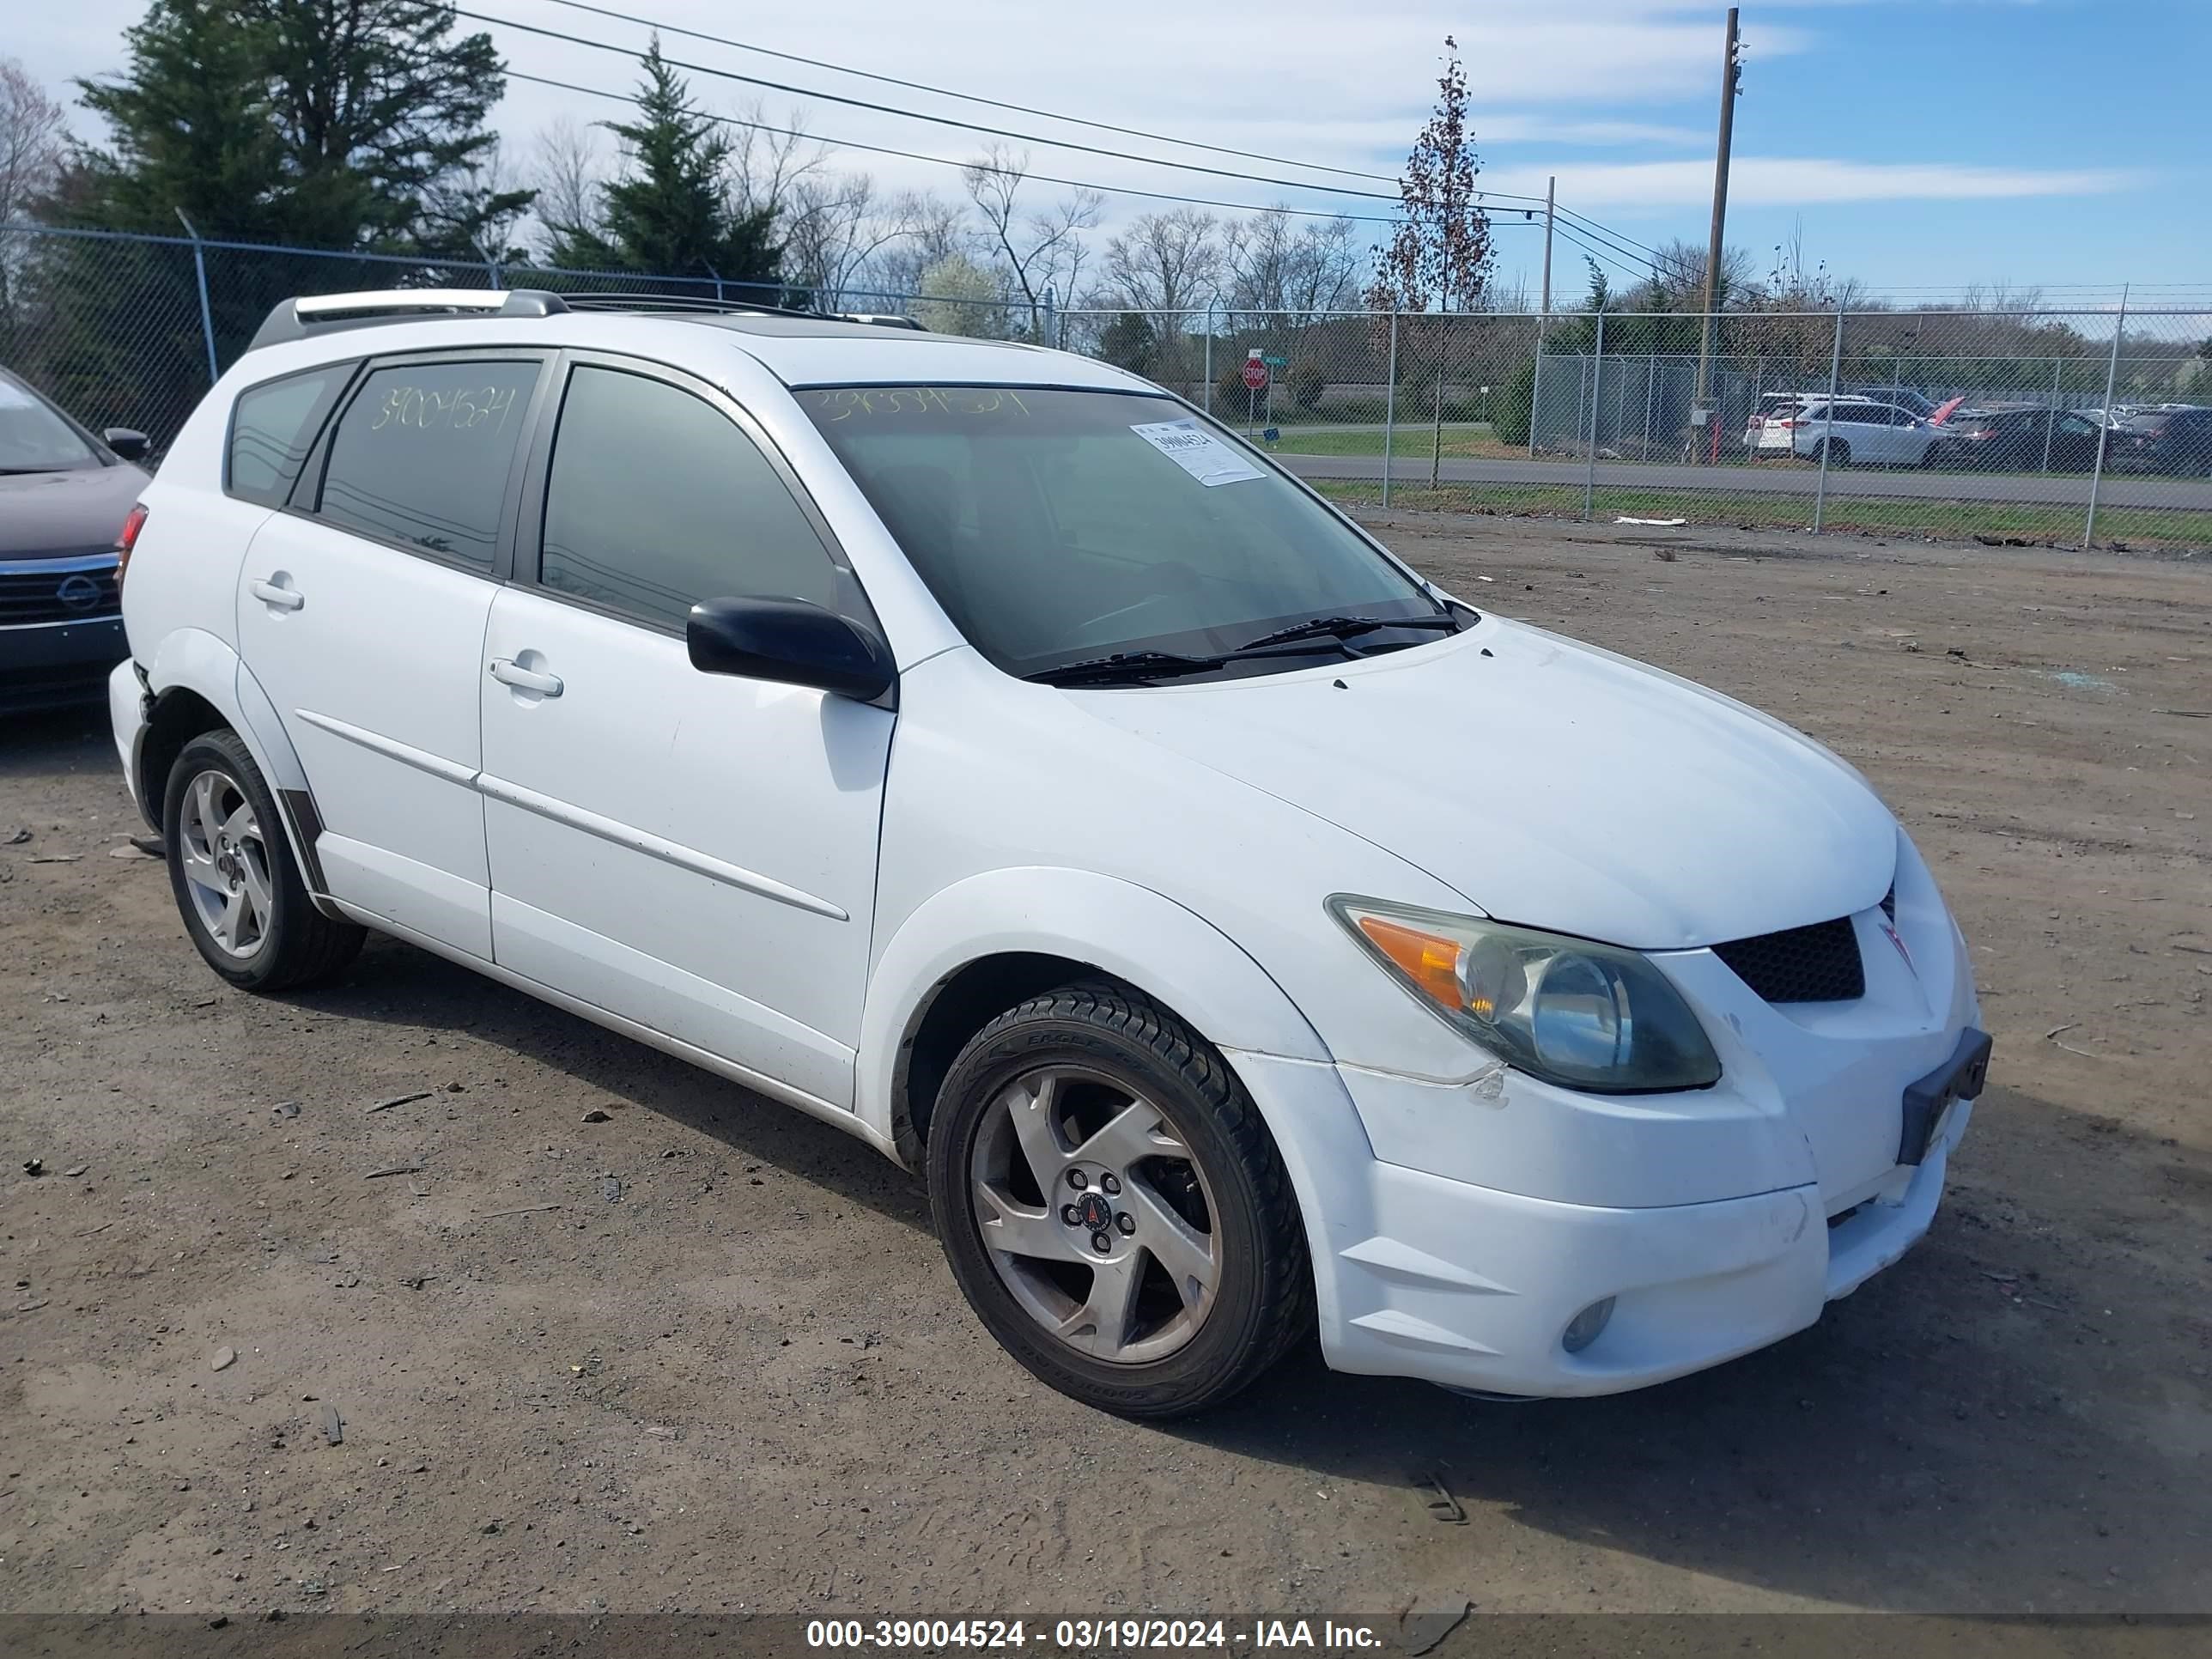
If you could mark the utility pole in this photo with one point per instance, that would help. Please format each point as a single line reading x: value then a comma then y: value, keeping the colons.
x: 1544, y: 318
x: 1731, y: 75
x: 1550, y: 190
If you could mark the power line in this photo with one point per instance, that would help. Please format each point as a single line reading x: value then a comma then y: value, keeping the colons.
x: 971, y: 97
x: 948, y: 161
x: 1643, y: 267
x: 1617, y: 235
x: 971, y: 126
x: 1600, y: 256
x: 917, y: 115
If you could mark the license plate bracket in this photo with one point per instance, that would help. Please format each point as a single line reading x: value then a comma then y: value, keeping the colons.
x: 1962, y: 1077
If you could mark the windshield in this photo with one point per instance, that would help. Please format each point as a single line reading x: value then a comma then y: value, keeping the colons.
x: 33, y: 439
x: 1058, y: 527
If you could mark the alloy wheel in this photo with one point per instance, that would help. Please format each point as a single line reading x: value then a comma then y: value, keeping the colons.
x: 225, y: 862
x: 1096, y: 1214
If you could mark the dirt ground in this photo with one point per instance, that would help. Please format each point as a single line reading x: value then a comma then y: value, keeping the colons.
x: 742, y: 1379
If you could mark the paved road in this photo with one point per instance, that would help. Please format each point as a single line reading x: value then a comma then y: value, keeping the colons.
x: 2168, y: 495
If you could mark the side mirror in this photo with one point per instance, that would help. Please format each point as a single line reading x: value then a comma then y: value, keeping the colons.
x: 791, y: 642
x: 127, y: 441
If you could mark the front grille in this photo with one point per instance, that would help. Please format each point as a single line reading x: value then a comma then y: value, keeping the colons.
x: 1818, y: 964
x: 61, y: 594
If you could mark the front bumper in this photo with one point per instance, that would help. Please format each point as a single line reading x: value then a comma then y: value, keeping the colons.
x: 52, y: 664
x: 1423, y: 1276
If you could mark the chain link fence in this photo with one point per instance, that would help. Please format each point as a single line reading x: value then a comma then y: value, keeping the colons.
x: 129, y: 329
x: 2049, y: 426
x: 2046, y: 427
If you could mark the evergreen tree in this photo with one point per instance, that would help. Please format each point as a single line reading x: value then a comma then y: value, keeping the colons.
x: 327, y: 123
x: 192, y: 131
x: 672, y: 215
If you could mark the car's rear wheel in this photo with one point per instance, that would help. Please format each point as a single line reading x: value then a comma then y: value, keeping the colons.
x: 236, y: 884
x: 1113, y: 1208
x: 1836, y: 450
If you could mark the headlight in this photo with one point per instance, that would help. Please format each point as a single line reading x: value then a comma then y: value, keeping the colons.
x: 1583, y: 1016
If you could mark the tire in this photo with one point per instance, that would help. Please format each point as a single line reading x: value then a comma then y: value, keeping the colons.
x: 1838, y: 452
x: 237, y: 886
x: 1108, y: 1300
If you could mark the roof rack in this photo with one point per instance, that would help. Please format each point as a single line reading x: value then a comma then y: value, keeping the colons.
x: 296, y: 319
x: 699, y: 302
x: 625, y: 301
x: 318, y: 314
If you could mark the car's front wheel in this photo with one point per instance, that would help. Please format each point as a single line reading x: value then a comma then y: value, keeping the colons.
x: 1113, y: 1208
x: 236, y: 884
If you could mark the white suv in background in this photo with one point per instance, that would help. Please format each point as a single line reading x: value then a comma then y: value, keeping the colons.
x: 976, y: 747
x: 1858, y: 431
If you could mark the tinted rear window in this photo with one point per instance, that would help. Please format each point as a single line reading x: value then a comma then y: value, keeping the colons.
x: 422, y: 453
x: 273, y: 427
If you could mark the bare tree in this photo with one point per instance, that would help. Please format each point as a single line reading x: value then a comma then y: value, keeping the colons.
x: 1794, y: 284
x: 1677, y: 281
x: 928, y: 229
x: 1297, y: 270
x: 767, y: 166
x: 1441, y: 249
x: 1041, y: 250
x: 568, y: 169
x: 847, y: 243
x: 1166, y: 265
x: 32, y: 141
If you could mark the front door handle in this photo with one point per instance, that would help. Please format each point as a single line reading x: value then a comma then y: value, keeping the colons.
x: 508, y: 671
x: 276, y: 598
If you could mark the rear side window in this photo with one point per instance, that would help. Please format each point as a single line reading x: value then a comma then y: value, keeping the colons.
x: 422, y: 454
x: 656, y: 500
x: 272, y: 428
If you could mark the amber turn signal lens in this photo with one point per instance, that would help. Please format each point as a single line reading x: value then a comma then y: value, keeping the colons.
x: 1429, y: 960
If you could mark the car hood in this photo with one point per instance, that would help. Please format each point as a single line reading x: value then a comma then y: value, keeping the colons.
x: 1551, y: 783
x: 75, y: 512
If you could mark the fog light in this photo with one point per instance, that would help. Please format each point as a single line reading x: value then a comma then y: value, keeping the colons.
x: 1587, y: 1326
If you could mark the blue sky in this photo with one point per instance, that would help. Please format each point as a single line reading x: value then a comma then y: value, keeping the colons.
x: 1922, y: 144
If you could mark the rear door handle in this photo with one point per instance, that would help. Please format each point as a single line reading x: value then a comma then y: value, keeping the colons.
x: 508, y: 671
x: 280, y: 598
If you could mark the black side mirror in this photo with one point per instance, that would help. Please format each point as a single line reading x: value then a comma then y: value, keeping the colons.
x: 791, y: 641
x: 127, y: 442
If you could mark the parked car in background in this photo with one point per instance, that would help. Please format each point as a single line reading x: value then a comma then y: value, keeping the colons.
x: 2017, y: 438
x: 1861, y: 432
x: 64, y: 495
x: 1775, y: 419
x: 1904, y: 397
x: 1767, y: 431
x: 2169, y: 439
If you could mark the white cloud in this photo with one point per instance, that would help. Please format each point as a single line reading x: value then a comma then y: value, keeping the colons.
x: 1780, y: 181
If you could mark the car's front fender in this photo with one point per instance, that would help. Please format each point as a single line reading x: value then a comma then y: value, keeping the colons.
x: 1148, y: 941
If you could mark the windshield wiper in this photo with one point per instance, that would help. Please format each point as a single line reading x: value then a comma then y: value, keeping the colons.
x: 1124, y: 666
x: 1161, y: 665
x: 1345, y: 627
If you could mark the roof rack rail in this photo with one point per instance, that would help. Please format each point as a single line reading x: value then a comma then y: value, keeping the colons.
x: 614, y: 300
x: 700, y: 302
x: 317, y: 313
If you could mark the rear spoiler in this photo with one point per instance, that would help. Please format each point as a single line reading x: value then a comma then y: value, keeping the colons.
x: 297, y: 319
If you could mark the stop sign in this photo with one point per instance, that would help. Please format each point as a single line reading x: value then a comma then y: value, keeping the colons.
x: 1255, y: 373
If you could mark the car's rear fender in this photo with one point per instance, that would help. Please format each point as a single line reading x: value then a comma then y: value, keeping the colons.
x: 193, y: 662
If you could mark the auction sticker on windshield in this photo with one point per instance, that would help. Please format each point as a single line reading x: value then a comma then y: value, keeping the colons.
x: 1197, y: 451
